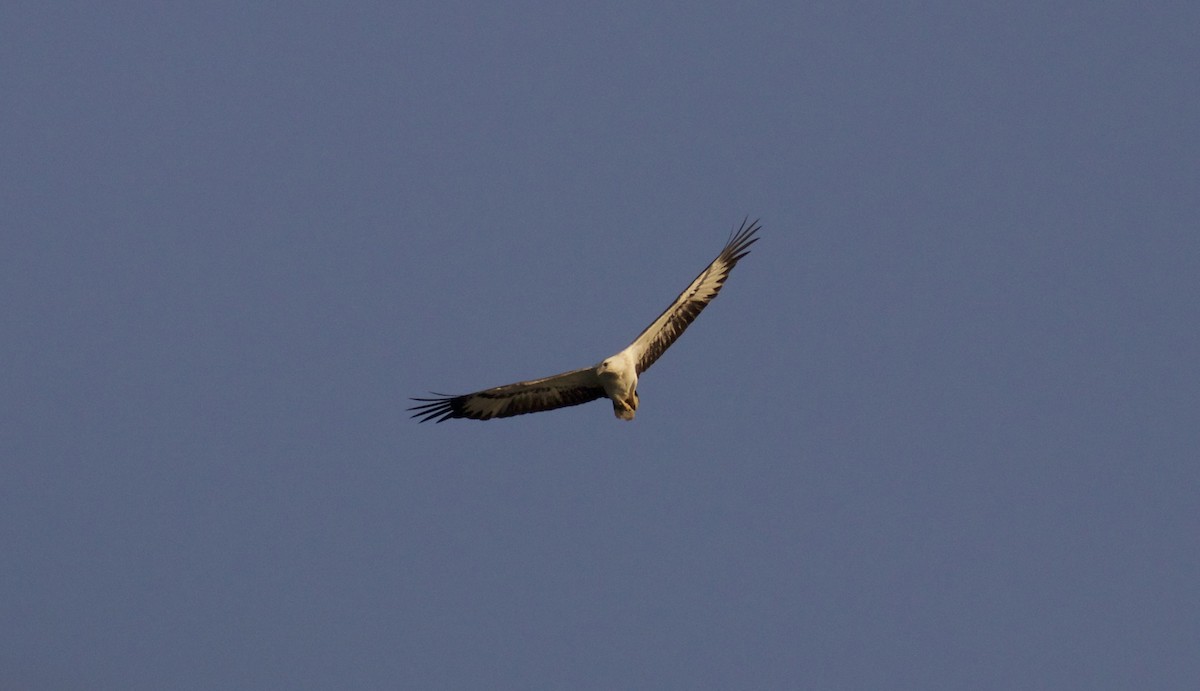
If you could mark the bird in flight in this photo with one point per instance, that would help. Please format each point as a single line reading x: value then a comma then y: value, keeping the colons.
x: 616, y: 377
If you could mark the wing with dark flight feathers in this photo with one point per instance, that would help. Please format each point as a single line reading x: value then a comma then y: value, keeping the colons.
x: 662, y: 332
x: 534, y: 396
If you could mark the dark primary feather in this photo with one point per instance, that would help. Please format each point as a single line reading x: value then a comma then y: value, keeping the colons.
x: 438, y: 409
x: 667, y: 327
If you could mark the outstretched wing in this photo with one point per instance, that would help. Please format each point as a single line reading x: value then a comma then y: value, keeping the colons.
x: 651, y: 343
x: 559, y: 391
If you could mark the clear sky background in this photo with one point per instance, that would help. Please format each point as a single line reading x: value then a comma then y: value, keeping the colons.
x: 941, y: 429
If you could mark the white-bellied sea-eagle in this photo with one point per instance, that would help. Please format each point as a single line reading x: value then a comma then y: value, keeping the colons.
x: 616, y: 377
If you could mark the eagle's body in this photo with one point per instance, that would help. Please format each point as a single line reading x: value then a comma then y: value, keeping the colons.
x: 616, y: 377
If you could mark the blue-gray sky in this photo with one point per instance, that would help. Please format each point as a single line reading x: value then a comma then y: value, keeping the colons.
x: 939, y: 431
